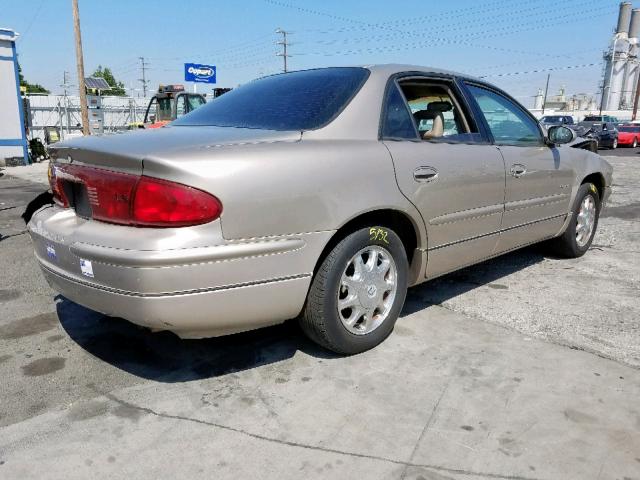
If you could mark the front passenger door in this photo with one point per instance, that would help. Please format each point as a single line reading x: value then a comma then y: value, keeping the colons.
x: 538, y: 181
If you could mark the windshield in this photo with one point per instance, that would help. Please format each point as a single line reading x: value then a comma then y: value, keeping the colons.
x: 303, y: 100
x: 592, y: 118
x: 629, y: 129
x: 551, y: 119
x: 164, y: 109
x: 195, y: 101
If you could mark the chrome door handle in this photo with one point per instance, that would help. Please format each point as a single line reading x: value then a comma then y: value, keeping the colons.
x: 425, y: 174
x: 518, y: 170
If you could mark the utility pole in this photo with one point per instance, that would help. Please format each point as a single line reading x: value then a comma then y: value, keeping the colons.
x: 65, y: 86
x: 84, y: 113
x: 546, y: 91
x: 284, y: 44
x: 144, y: 80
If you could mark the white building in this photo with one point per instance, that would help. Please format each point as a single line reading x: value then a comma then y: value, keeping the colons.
x: 13, y: 141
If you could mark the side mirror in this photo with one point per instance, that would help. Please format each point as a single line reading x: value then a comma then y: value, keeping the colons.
x: 559, y: 134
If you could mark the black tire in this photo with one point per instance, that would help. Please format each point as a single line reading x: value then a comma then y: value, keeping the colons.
x: 320, y: 319
x: 566, y: 244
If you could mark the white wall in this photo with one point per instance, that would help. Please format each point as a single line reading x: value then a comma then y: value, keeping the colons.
x: 10, y: 124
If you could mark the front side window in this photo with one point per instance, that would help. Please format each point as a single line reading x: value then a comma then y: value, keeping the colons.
x: 508, y: 122
x: 181, y: 106
x: 397, y: 122
x: 152, y: 111
x: 304, y: 100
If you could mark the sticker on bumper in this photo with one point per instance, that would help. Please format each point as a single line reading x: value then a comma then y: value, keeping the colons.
x: 51, y: 252
x: 86, y: 268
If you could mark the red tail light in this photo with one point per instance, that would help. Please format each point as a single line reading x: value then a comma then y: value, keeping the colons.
x: 135, y: 200
x: 56, y: 186
x: 168, y: 204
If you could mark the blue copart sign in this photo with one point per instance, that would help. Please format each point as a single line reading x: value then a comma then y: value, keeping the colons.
x: 195, y: 72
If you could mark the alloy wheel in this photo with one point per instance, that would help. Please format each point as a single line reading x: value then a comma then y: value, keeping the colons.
x: 367, y: 290
x: 585, y: 220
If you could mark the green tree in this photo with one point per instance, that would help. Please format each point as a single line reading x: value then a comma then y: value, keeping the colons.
x: 31, y: 87
x: 117, y: 88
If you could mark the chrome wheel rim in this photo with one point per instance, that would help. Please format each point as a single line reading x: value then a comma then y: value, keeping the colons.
x: 367, y: 290
x: 585, y: 220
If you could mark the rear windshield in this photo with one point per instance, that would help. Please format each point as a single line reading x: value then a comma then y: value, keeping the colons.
x: 551, y: 119
x: 592, y: 118
x: 303, y: 100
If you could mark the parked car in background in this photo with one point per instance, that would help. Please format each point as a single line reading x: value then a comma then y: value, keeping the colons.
x: 319, y: 195
x: 606, y: 133
x: 601, y: 119
x: 557, y: 120
x: 629, y: 135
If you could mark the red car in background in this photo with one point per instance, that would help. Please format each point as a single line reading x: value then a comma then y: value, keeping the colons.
x: 629, y: 135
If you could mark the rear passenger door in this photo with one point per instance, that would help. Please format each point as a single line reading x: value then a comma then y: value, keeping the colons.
x: 446, y: 167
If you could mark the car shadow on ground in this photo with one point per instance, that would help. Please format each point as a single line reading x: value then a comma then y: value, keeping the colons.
x: 164, y: 357
x: 444, y: 288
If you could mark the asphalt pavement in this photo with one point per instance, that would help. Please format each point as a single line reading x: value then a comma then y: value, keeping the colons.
x: 523, y: 367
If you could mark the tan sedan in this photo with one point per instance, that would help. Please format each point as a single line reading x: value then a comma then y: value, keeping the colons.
x: 319, y: 195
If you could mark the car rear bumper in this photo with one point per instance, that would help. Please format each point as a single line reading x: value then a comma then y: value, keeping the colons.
x: 606, y: 141
x: 198, y: 291
x: 196, y: 314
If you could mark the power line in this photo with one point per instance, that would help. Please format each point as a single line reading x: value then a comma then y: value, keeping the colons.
x: 464, y: 26
x: 460, y: 39
x: 33, y: 19
x: 450, y: 16
x: 542, y: 70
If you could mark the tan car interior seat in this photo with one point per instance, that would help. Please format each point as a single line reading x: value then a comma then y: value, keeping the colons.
x: 433, y: 112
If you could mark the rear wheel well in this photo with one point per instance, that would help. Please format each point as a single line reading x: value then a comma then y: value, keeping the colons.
x: 393, y: 219
x: 598, y: 180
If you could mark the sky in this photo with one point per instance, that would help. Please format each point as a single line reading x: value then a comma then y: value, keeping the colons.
x: 512, y: 43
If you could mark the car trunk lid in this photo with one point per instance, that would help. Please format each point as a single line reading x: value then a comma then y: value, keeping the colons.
x: 126, y: 152
x: 99, y: 176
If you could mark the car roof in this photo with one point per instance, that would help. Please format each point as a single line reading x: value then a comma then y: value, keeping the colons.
x: 393, y: 68
x: 388, y: 69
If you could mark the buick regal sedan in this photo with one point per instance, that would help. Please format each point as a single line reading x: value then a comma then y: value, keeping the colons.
x: 319, y: 195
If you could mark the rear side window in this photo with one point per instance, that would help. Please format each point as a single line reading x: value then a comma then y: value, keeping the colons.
x: 303, y: 100
x: 397, y: 122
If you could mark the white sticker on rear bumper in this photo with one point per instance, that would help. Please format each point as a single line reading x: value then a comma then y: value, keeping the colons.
x: 51, y: 252
x: 86, y: 267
